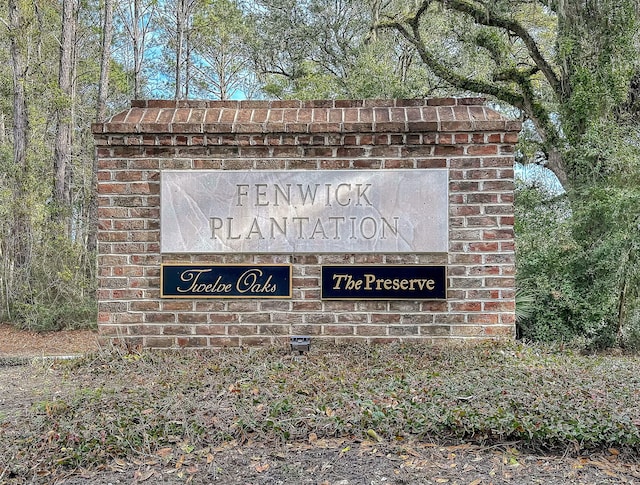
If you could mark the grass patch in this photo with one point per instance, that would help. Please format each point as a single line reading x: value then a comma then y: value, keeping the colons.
x: 117, y: 405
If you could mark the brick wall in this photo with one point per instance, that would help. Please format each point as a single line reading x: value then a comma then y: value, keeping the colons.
x: 475, y: 143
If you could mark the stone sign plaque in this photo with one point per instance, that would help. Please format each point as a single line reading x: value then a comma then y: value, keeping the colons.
x: 301, y: 211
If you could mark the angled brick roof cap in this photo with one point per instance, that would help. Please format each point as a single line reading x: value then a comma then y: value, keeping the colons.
x: 296, y: 117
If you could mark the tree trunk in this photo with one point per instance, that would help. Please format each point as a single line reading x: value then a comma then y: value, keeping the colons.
x: 105, y: 59
x: 21, y: 228
x: 3, y: 128
x: 101, y: 113
x: 556, y: 165
x: 62, y: 157
x: 137, y: 49
x: 180, y: 14
x: 187, y: 61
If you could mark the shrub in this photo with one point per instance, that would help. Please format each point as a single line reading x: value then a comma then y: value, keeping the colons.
x: 578, y: 258
x: 56, y: 289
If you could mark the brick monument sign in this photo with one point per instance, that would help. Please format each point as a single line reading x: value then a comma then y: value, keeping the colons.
x: 226, y: 223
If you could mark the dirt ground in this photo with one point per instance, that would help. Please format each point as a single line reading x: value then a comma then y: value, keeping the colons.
x: 366, y: 463
x: 315, y: 461
x: 20, y: 343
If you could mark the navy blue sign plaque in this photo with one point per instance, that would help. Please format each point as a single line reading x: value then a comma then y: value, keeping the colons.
x: 225, y: 281
x: 401, y: 282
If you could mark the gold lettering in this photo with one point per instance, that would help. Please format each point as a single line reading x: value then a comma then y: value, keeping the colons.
x: 191, y: 275
x: 368, y: 280
x: 339, y: 278
x: 249, y: 282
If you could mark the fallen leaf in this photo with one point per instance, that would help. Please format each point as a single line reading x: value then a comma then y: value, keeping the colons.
x: 209, y: 459
x: 614, y: 451
x: 371, y: 433
x: 180, y: 462
x: 119, y: 465
x: 313, y: 437
x: 464, y: 446
x: 164, y: 452
x: 84, y: 473
x: 477, y: 481
x: 139, y: 476
x: 412, y: 452
x: 262, y: 468
x: 187, y: 448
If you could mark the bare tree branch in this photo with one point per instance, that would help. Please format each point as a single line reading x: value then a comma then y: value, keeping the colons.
x: 511, y: 85
x: 484, y: 16
x: 446, y: 73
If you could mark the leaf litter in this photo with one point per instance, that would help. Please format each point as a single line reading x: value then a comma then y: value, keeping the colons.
x: 387, y: 414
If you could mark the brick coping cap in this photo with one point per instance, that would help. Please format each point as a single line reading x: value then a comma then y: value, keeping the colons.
x: 318, y: 116
x: 316, y: 103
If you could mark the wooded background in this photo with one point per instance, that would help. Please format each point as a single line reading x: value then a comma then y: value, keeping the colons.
x: 570, y: 69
